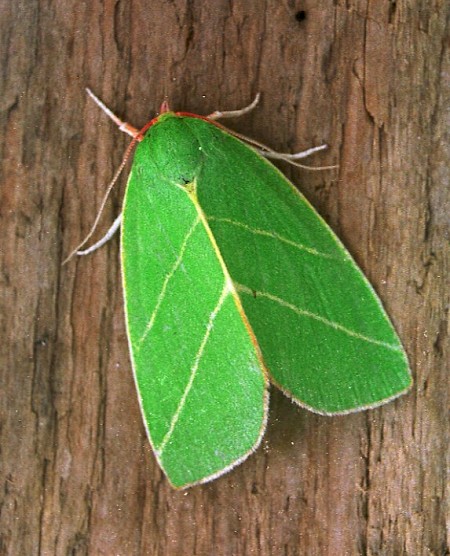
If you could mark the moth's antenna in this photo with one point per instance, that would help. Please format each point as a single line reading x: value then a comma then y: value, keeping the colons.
x: 137, y: 136
x: 123, y: 126
x: 105, y: 198
x: 218, y: 114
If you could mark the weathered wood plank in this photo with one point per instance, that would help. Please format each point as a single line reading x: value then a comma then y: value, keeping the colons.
x: 371, y: 80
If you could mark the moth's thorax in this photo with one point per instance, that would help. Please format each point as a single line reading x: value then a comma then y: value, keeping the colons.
x: 173, y: 148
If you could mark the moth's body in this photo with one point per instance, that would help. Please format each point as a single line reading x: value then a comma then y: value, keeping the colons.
x: 231, y: 278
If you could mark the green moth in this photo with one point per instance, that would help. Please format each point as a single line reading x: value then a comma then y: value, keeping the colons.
x: 231, y: 281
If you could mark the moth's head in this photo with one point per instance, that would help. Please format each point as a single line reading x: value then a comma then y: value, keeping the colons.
x: 173, y: 149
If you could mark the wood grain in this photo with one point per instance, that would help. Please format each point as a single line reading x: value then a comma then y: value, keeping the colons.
x: 371, y: 79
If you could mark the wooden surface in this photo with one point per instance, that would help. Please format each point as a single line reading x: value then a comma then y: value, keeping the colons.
x: 369, y: 78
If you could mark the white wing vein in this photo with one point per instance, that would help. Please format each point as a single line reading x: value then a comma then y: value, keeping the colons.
x: 303, y: 312
x: 225, y: 292
x: 272, y: 235
x: 167, y: 279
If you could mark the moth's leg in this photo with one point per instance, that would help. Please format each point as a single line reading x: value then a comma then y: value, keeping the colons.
x: 235, y: 113
x: 123, y: 126
x: 292, y: 156
x: 109, y: 234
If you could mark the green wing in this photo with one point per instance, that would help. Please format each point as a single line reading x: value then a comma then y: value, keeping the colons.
x: 224, y: 260
x: 199, y: 374
x: 324, y: 335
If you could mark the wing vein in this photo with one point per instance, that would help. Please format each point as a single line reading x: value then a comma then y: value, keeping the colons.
x: 272, y: 235
x: 167, y: 279
x: 303, y: 312
x: 225, y: 292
